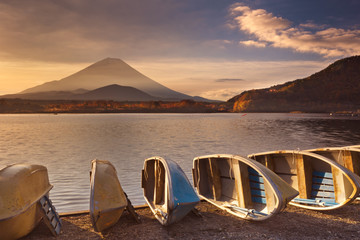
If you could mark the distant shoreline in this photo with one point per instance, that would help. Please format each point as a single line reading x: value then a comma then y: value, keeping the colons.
x: 24, y: 106
x: 109, y: 106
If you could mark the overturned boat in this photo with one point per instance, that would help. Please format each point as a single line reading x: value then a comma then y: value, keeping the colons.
x: 24, y: 201
x: 107, y: 198
x: 241, y: 186
x: 167, y: 190
x: 322, y: 183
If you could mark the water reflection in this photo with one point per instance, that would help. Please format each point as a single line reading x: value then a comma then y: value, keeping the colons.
x: 67, y: 143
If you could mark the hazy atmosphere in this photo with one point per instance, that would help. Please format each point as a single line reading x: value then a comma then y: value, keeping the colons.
x: 214, y: 49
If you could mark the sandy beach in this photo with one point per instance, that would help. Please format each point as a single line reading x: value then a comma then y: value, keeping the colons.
x: 292, y: 223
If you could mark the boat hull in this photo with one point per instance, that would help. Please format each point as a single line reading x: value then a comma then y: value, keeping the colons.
x: 241, y: 186
x: 349, y: 157
x: 322, y: 183
x: 107, y: 198
x: 21, y: 188
x: 21, y: 225
x: 167, y: 190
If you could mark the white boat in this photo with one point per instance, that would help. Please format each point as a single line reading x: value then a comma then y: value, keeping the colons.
x: 322, y: 183
x: 107, y: 198
x: 241, y: 186
x: 167, y: 190
x: 24, y: 191
x: 348, y: 157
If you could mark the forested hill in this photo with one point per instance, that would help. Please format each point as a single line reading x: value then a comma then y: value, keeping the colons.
x: 336, y: 88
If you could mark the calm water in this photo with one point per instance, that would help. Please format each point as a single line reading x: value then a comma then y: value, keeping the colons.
x: 66, y: 143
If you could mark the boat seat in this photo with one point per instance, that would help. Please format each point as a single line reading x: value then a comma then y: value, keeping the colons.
x: 322, y: 190
x: 257, y: 187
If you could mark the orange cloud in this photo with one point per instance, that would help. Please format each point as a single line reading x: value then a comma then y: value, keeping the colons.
x: 253, y: 43
x: 279, y: 32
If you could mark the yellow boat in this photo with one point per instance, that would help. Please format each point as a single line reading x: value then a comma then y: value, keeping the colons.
x: 21, y: 187
x: 107, y: 198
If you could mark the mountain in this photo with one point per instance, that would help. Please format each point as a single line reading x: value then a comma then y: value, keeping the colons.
x: 111, y: 92
x: 107, y: 72
x: 116, y: 93
x: 50, y: 95
x: 336, y: 88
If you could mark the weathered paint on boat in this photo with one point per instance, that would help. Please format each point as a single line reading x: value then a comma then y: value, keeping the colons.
x: 21, y: 187
x: 348, y: 157
x: 241, y: 186
x: 107, y: 198
x: 322, y: 183
x: 167, y: 190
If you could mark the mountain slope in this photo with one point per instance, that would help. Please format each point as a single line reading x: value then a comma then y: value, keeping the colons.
x: 335, y: 88
x: 111, y: 92
x: 107, y: 72
x: 116, y: 93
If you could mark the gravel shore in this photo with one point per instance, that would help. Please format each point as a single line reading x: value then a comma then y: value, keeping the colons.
x: 292, y: 223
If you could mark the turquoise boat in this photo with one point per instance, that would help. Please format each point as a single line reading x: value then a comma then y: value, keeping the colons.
x: 167, y: 190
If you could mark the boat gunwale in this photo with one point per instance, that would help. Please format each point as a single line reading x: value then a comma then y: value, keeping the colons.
x: 333, y: 149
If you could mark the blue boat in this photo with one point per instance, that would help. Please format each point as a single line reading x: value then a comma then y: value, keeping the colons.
x: 167, y: 190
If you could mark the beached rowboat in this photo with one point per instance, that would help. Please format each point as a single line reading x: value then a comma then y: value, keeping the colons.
x: 167, y: 190
x: 22, y: 187
x: 241, y: 186
x: 322, y: 183
x: 107, y: 198
x: 348, y: 157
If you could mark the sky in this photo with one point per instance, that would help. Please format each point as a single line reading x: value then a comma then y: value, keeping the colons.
x: 210, y: 48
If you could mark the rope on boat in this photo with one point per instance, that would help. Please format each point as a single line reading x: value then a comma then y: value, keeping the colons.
x: 318, y: 202
x: 145, y: 173
x: 231, y: 168
x: 198, y: 180
x: 161, y: 213
x: 341, y: 152
x: 159, y: 172
x: 246, y: 211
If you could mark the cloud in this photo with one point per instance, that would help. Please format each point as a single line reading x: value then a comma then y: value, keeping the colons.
x: 280, y: 33
x: 253, y: 43
x: 229, y: 80
x: 76, y: 31
x: 311, y: 25
x: 222, y: 94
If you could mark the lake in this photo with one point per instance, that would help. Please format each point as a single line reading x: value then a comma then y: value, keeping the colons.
x: 66, y: 143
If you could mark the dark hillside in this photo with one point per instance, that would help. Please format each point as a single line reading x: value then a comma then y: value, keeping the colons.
x: 336, y: 88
